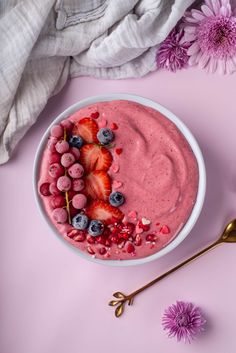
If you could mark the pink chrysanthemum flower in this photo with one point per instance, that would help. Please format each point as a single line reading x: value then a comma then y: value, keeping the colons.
x: 213, y: 33
x: 172, y: 55
x: 183, y: 321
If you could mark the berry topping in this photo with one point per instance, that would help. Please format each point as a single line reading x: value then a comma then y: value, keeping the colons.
x: 143, y: 227
x: 79, y: 201
x: 54, y: 158
x: 116, y: 199
x: 130, y: 248
x: 138, y: 240
x: 102, y: 251
x: 76, y: 235
x: 64, y: 183
x: 51, y: 144
x: 76, y: 141
x: 165, y: 229
x: 57, y: 201
x: 76, y: 171
x: 56, y: 131
x: 75, y: 151
x: 119, y: 151
x: 67, y: 159
x: 86, y: 128
x: 59, y: 215
x: 114, y: 126
x: 115, y: 167
x: 77, y: 184
x: 55, y: 170
x: 80, y: 221
x: 67, y: 124
x: 62, y: 146
x: 54, y: 189
x: 117, y: 184
x: 150, y: 237
x: 94, y: 157
x: 90, y: 250
x: 95, y: 228
x: 105, y: 136
x: 103, y: 211
x: 133, y: 215
x: 98, y: 185
x: 95, y: 115
x: 44, y: 189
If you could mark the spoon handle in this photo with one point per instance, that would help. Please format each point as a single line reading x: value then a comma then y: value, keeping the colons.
x: 129, y: 298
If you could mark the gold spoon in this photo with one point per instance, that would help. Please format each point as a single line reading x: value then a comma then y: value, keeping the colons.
x: 228, y: 236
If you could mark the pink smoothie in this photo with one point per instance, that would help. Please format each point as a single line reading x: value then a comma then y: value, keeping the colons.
x: 157, y: 172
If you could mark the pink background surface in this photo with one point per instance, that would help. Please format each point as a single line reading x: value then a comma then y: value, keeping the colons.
x: 52, y: 300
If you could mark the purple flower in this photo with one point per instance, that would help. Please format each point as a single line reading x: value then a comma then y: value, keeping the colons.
x: 183, y: 320
x: 172, y: 54
x: 212, y: 31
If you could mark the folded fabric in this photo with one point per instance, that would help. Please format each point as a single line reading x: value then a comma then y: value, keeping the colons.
x: 45, y: 42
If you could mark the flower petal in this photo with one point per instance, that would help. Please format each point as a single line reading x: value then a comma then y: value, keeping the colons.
x: 230, y: 66
x: 190, y: 19
x: 203, y: 60
x: 216, y: 6
x: 221, y: 67
x: 193, y: 49
x: 207, y: 11
x: 198, y: 15
x: 190, y: 29
x: 212, y: 65
x: 192, y: 60
x: 189, y: 37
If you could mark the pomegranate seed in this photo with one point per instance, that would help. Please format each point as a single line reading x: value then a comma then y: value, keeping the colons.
x: 80, y: 237
x: 119, y: 151
x: 124, y: 236
x: 114, y: 239
x: 128, y: 228
x: 100, y: 240
x: 72, y: 233
x: 145, y: 227
x: 108, y: 243
x: 90, y: 239
x: 102, y: 251
x: 121, y: 243
x: 106, y: 232
x: 130, y: 248
x: 114, y: 126
x: 165, y: 229
x: 150, y: 237
x: 138, y: 240
x: 90, y: 250
x: 76, y: 234
x: 95, y: 115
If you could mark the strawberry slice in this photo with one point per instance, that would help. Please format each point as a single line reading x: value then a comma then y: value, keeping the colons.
x: 87, y: 128
x: 95, y: 157
x: 98, y: 185
x: 104, y: 212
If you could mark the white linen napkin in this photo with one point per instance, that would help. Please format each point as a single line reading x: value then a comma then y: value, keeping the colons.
x: 43, y: 42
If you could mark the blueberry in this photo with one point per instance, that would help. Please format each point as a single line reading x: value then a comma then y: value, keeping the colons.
x: 80, y: 221
x: 105, y: 136
x: 95, y: 228
x: 116, y: 198
x: 76, y: 141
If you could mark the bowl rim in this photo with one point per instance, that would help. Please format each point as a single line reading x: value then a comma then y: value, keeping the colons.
x: 185, y: 231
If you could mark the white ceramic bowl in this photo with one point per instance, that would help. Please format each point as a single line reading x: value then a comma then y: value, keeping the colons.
x: 189, y: 137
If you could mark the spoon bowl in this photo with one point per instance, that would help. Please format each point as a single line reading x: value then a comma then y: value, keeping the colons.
x: 229, y: 233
